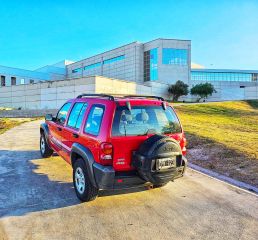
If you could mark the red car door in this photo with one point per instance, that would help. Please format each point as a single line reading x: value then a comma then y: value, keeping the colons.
x: 70, y: 133
x: 56, y: 128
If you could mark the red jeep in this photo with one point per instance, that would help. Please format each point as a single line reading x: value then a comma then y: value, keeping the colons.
x: 116, y: 142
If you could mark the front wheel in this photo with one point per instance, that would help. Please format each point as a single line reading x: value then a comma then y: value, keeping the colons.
x: 45, y: 150
x: 84, y: 189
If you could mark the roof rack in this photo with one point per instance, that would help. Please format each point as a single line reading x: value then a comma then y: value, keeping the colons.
x: 143, y: 96
x: 109, y: 97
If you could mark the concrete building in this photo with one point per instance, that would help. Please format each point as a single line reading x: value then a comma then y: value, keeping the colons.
x: 162, y: 60
x: 229, y: 84
x: 135, y: 68
x: 14, y: 76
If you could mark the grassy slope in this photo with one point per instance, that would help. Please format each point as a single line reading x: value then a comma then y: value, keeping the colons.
x: 226, y: 132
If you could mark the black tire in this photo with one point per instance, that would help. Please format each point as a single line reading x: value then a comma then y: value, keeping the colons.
x: 89, y: 192
x: 153, y: 148
x: 45, y: 150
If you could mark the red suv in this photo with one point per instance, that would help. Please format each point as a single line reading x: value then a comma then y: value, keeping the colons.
x: 116, y: 142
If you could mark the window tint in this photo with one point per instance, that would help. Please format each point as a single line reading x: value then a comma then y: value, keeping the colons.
x: 94, y: 120
x: 143, y: 120
x: 76, y: 115
x: 62, y: 114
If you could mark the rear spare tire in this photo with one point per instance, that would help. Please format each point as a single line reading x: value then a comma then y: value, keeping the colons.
x: 156, y: 159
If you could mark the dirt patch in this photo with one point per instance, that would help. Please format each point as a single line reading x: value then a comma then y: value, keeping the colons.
x: 219, y: 158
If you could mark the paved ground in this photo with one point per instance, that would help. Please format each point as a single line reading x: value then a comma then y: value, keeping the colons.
x: 37, y: 201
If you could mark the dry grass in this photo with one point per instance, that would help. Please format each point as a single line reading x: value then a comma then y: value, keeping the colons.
x: 8, y: 123
x: 223, y: 137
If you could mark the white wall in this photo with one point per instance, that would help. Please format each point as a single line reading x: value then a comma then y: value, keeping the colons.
x: 52, y: 94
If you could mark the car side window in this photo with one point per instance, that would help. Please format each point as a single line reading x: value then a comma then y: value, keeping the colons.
x: 62, y: 114
x: 76, y: 115
x: 94, y: 120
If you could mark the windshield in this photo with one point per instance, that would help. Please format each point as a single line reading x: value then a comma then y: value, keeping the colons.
x: 143, y: 120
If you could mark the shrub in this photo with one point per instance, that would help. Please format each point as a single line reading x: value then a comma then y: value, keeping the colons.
x: 178, y: 89
x: 202, y: 90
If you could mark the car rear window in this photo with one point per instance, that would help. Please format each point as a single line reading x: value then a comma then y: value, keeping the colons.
x: 143, y: 120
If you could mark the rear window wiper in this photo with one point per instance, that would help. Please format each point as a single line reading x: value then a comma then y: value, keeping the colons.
x: 149, y: 131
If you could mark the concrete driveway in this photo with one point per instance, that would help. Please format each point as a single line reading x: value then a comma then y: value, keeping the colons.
x: 37, y: 201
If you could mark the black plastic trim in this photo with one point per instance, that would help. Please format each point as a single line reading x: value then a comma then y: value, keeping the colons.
x: 87, y: 156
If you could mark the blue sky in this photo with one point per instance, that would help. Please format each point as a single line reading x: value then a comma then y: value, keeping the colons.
x: 32, y: 33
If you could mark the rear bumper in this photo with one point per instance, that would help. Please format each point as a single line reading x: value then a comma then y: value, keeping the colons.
x: 107, y: 179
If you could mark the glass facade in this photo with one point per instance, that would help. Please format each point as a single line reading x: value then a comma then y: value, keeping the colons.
x: 223, y: 76
x: 115, y: 59
x: 175, y: 56
x: 151, y: 65
x: 98, y: 64
x: 92, y: 66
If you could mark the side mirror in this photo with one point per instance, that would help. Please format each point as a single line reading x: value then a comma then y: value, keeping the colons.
x: 62, y: 120
x: 49, y: 117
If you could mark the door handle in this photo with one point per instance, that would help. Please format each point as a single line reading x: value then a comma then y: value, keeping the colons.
x: 75, y: 135
x: 59, y: 129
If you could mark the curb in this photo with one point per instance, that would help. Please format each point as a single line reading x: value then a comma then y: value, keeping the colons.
x: 248, y: 187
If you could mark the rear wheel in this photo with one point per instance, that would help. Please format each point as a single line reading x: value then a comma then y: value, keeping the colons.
x: 84, y: 189
x: 45, y: 150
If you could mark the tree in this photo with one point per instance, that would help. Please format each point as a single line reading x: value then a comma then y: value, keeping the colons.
x: 178, y: 89
x: 203, y: 90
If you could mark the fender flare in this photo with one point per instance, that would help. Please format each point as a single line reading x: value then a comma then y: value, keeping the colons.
x: 45, y: 129
x: 85, y: 153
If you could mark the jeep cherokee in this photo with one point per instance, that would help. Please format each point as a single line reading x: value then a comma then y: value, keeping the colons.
x: 116, y: 142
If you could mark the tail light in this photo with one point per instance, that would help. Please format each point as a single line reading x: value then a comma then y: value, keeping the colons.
x: 183, y: 144
x: 106, y: 153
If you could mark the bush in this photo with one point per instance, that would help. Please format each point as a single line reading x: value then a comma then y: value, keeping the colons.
x: 178, y: 89
x: 203, y: 90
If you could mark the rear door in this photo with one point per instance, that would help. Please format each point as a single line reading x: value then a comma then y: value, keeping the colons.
x: 56, y: 127
x: 71, y: 130
x: 131, y: 128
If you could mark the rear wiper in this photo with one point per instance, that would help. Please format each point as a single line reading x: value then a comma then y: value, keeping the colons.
x: 149, y: 131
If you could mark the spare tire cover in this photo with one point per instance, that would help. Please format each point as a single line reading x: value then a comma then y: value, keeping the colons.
x: 150, y: 151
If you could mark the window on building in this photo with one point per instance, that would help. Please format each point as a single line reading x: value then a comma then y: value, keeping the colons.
x: 115, y: 59
x: 175, y: 56
x: 13, y: 81
x: 77, y: 70
x: 22, y: 81
x: 94, y: 120
x: 92, y: 66
x: 255, y: 77
x: 76, y: 115
x: 3, y: 83
x: 151, y: 65
x: 31, y: 81
x: 221, y: 76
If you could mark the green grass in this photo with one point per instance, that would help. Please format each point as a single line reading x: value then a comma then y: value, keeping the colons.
x: 227, y: 132
x: 233, y: 124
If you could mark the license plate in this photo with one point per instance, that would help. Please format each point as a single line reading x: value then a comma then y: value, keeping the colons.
x: 165, y: 163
